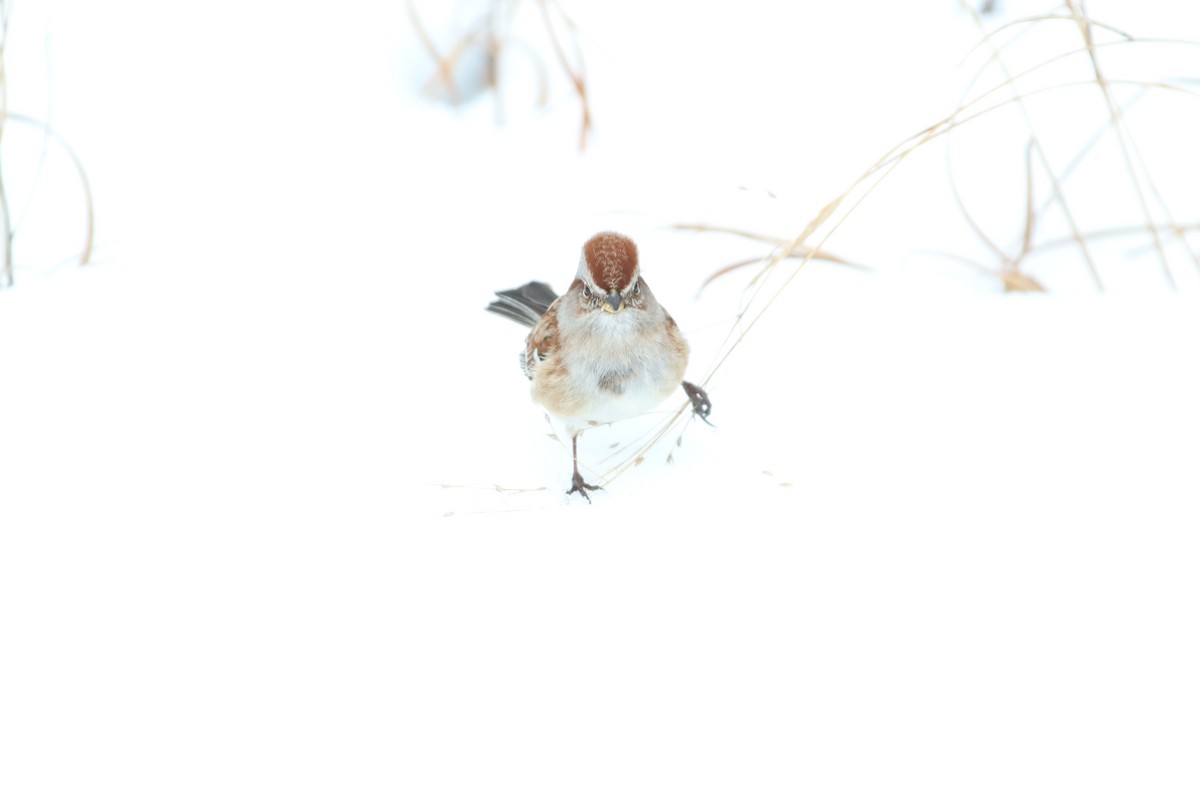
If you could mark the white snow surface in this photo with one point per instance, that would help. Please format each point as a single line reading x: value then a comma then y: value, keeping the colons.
x: 278, y: 519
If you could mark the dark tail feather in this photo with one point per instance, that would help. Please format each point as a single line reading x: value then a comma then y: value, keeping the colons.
x: 525, y: 304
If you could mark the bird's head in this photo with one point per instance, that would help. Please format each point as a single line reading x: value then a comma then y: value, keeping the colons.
x: 608, y: 272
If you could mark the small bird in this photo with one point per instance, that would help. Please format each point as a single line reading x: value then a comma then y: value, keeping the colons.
x: 603, y: 351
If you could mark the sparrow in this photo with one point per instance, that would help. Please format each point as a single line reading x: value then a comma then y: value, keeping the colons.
x: 603, y: 351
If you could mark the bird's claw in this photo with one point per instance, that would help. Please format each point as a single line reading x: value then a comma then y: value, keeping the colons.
x: 578, y: 485
x: 701, y: 405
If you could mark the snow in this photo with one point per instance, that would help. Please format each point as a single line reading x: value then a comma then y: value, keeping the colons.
x: 277, y: 517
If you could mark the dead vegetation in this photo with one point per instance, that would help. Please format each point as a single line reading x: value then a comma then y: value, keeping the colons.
x: 1047, y: 183
x: 779, y: 246
x: 473, y: 62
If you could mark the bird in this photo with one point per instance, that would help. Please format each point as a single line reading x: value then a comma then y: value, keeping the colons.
x: 603, y: 351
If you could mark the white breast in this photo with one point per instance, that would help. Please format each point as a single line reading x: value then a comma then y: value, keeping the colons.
x: 609, y: 367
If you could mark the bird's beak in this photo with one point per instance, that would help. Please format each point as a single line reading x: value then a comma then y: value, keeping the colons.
x: 612, y: 302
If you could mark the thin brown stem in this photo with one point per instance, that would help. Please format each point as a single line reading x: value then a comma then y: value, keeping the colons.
x: 1056, y: 186
x: 574, y: 74
x: 1078, y: 10
x: 443, y: 64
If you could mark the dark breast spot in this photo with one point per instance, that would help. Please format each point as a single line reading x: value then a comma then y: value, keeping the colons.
x: 613, y: 382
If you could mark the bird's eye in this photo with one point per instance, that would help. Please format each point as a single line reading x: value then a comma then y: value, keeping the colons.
x: 586, y: 291
x: 637, y: 288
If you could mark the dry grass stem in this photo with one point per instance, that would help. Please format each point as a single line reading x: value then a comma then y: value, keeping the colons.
x: 1117, y: 126
x: 1129, y: 148
x: 495, y: 487
x: 775, y: 242
x: 997, y: 59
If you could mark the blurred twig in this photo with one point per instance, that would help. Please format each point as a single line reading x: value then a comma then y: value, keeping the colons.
x: 85, y: 254
x: 574, y: 72
x: 489, y: 37
x: 7, y: 226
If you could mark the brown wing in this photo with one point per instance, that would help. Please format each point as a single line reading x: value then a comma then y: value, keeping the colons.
x: 542, y: 340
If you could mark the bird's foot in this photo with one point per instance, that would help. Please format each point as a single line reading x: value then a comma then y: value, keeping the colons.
x: 578, y: 485
x: 701, y: 405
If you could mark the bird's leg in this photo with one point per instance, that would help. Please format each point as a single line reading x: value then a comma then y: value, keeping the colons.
x: 577, y: 484
x: 701, y: 405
